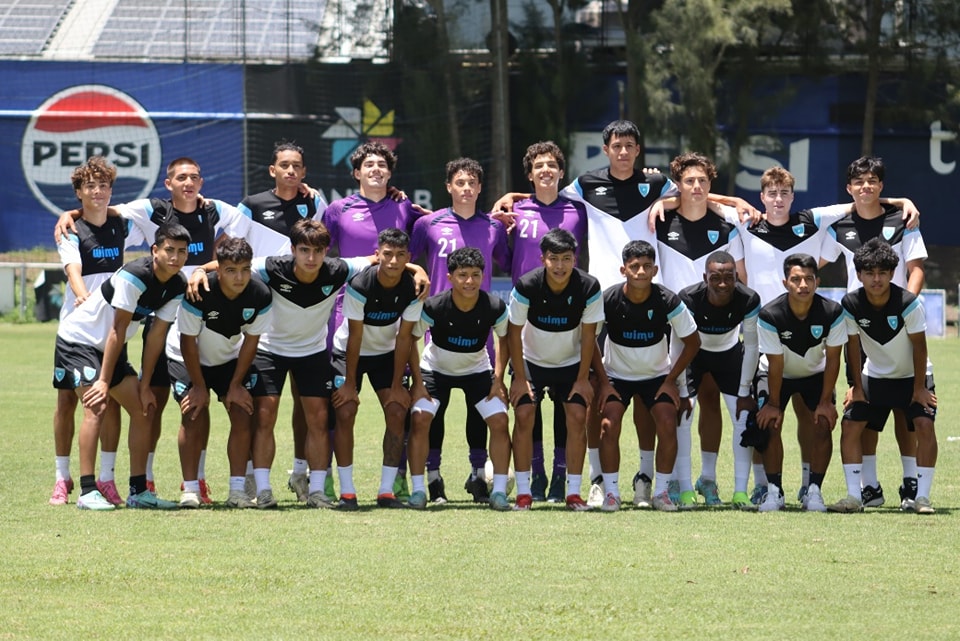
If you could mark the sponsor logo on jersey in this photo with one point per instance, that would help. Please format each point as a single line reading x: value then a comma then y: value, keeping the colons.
x: 358, y: 217
x: 713, y: 236
x: 673, y: 236
x: 354, y: 125
x: 446, y: 231
x: 864, y: 322
x: 106, y: 252
x: 213, y: 314
x: 303, y: 210
x: 798, y: 230
x: 269, y: 214
x: 247, y: 313
x: 787, y: 335
x: 887, y: 232
x: 83, y: 121
x: 644, y: 189
x: 850, y: 235
x: 600, y: 191
x: 816, y: 331
x: 893, y: 322
x: 286, y: 288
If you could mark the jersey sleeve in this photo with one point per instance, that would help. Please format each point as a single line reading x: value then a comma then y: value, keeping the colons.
x: 823, y: 217
x: 262, y: 323
x: 418, y: 238
x: 502, y: 254
x: 140, y: 212
x: 680, y: 318
x: 190, y: 319
x: 353, y: 302
x: 915, y: 318
x: 263, y: 240
x: 69, y: 250
x: 593, y: 312
x: 500, y: 325
x: 413, y: 311
x: 768, y: 338
x: 356, y: 265
x: 829, y: 247
x: 259, y: 267
x: 912, y: 245
x: 838, y: 332
x: 519, y: 306
x: 135, y: 236
x: 168, y: 312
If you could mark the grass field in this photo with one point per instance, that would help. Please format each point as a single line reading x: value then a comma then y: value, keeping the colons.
x: 460, y: 571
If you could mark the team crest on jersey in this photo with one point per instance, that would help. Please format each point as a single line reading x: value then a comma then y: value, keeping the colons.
x: 649, y: 314
x: 179, y: 388
x: 644, y: 189
x: 59, y: 373
x: 713, y: 236
x: 326, y: 289
x: 798, y: 230
x: 887, y: 233
x: 247, y: 313
x: 816, y: 331
x: 89, y: 373
x: 252, y: 381
x: 302, y: 210
x: 569, y: 300
x: 893, y: 322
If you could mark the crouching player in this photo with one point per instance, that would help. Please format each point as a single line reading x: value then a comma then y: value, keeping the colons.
x: 460, y: 320
x: 212, y: 347
x: 90, y: 348
x: 888, y: 324
x: 639, y: 316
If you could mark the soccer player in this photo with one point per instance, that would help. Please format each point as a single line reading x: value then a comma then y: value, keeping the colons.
x: 460, y: 320
x: 874, y: 219
x: 434, y: 237
x: 212, y: 347
x: 636, y: 362
x: 380, y: 309
x: 889, y: 324
x: 554, y: 312
x: 90, y: 344
x: 722, y: 308
x: 89, y: 257
x: 802, y: 335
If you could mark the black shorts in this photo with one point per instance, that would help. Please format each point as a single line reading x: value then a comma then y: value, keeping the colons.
x: 379, y: 369
x: 725, y: 367
x: 559, y: 379
x: 475, y: 387
x: 76, y: 365
x: 809, y: 388
x: 645, y: 390
x: 216, y: 378
x: 886, y: 394
x: 313, y: 374
x: 161, y: 375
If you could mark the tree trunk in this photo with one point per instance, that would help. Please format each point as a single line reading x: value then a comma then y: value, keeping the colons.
x: 873, y: 75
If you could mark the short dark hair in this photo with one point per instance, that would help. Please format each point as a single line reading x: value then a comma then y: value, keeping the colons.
x: 373, y: 148
x: 182, y: 160
x: 309, y: 232
x: 557, y: 241
x: 692, y: 159
x: 466, y: 165
x: 393, y: 237
x: 286, y: 145
x: 234, y: 250
x: 866, y: 165
x: 803, y: 261
x: 541, y: 149
x: 171, y: 231
x: 875, y: 254
x: 638, y: 249
x: 465, y: 257
x: 721, y: 257
x: 621, y: 129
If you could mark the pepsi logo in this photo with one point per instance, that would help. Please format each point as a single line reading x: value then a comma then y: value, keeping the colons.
x: 83, y: 121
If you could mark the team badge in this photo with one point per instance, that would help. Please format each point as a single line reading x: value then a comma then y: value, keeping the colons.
x: 887, y: 233
x: 89, y: 373
x: 816, y: 330
x: 644, y: 189
x: 569, y: 300
x: 252, y: 381
x: 649, y: 314
x: 247, y: 313
x: 893, y: 322
x: 76, y: 378
x: 326, y: 289
x: 59, y: 373
x: 338, y: 381
x: 798, y: 230
x: 713, y: 236
x: 179, y: 388
x: 302, y: 210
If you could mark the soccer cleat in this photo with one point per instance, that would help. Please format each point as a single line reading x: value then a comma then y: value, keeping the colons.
x: 523, y: 502
x: 741, y: 501
x: 205, y: 493
x: 239, y: 499
x: 417, y: 500
x: 151, y: 486
x: 558, y: 488
x: 596, y: 496
x: 707, y: 488
x: 802, y: 492
x: 250, y: 486
x: 437, y: 491
x: 60, y: 493
x: 109, y: 491
x: 328, y: 490
x: 662, y: 502
x: 772, y: 502
x: 756, y: 497
x: 642, y: 488
x: 149, y: 501
x: 688, y: 500
x: 813, y: 500
x: 673, y: 489
x: 478, y: 488
x: 923, y: 506
x: 909, y: 488
x: 389, y: 501
x: 872, y: 496
x: 299, y: 484
x: 576, y: 504
x: 348, y: 503
x: 265, y: 500
x: 318, y: 500
x: 847, y: 504
x: 538, y: 487
x: 908, y: 505
x: 189, y: 500
x: 499, y: 502
x: 95, y: 501
x: 611, y: 503
x: 400, y: 488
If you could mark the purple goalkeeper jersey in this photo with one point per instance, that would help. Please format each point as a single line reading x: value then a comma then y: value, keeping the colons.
x: 533, y: 220
x: 438, y: 234
x: 355, y: 221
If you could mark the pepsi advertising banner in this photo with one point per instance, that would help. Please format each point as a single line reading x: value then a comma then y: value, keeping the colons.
x: 139, y: 116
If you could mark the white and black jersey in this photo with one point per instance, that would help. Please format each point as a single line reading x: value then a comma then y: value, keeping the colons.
x: 271, y: 211
x: 301, y: 311
x: 220, y: 323
x: 683, y: 246
x: 801, y: 342
x: 381, y: 310
x: 133, y: 288
x: 458, y: 339
x: 846, y: 236
x: 98, y: 250
x: 637, y: 346
x: 552, y: 323
x: 884, y: 333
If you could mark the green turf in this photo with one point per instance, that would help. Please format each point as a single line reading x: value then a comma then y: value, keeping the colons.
x: 461, y: 571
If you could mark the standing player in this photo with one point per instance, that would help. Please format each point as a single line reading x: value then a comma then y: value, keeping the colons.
x: 212, y: 347
x: 637, y: 363
x: 802, y: 336
x: 435, y: 237
x: 376, y: 338
x: 460, y: 320
x: 889, y: 323
x: 554, y: 313
x: 874, y: 219
x: 90, y: 344
x: 722, y: 308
